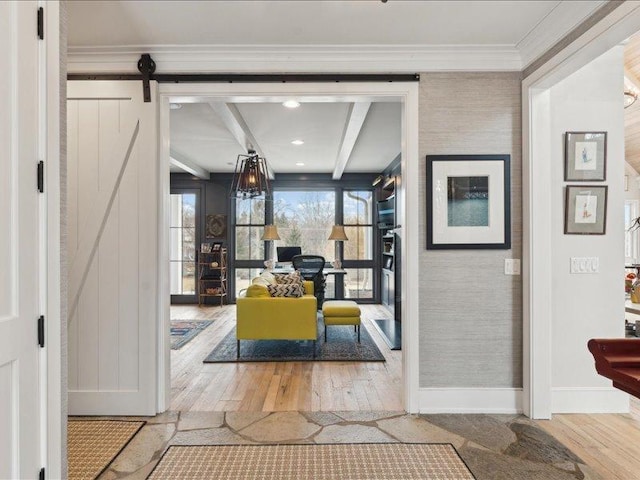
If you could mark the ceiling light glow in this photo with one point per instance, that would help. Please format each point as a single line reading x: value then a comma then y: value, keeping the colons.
x: 300, y: 164
x: 175, y: 106
x: 291, y: 104
x: 297, y: 142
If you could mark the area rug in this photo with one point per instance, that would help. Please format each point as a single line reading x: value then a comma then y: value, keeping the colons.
x: 183, y: 331
x: 93, y: 444
x: 369, y: 461
x: 342, y: 346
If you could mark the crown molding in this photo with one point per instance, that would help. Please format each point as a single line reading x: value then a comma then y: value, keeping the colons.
x: 302, y: 58
x: 563, y: 18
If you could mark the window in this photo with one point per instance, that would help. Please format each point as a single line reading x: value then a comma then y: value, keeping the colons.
x: 359, y: 283
x: 358, y: 223
x: 250, y: 216
x: 305, y: 218
x: 244, y: 277
x: 183, y: 244
x: 358, y: 250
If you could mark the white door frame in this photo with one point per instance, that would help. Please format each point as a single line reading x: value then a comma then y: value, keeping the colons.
x: 53, y: 387
x: 623, y: 22
x: 405, y: 92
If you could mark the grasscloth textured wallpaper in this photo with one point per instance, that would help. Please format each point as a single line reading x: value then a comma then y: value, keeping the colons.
x: 470, y: 312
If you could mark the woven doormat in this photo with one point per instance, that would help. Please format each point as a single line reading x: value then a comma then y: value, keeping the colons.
x: 369, y: 461
x: 93, y: 444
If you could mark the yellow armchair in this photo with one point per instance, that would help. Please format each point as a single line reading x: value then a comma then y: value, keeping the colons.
x: 277, y: 318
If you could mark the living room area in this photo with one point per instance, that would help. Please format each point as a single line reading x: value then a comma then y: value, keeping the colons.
x: 326, y: 174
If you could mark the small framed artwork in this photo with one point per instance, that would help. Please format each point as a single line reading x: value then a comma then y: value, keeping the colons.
x: 585, y: 156
x: 205, y: 247
x: 585, y: 210
x: 468, y: 202
x: 216, y: 246
x: 216, y: 225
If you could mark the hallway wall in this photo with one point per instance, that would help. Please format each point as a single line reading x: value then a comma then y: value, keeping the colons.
x: 470, y: 311
x: 588, y: 305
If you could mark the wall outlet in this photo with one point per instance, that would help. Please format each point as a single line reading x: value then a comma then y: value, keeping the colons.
x: 585, y: 265
x: 512, y: 266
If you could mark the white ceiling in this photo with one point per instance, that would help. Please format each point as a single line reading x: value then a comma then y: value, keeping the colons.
x: 309, y: 22
x: 199, y: 136
x: 314, y: 35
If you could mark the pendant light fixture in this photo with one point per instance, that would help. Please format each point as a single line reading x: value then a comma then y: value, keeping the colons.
x: 250, y: 178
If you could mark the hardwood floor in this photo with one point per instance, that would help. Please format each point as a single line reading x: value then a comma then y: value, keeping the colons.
x: 608, y: 443
x: 279, y: 386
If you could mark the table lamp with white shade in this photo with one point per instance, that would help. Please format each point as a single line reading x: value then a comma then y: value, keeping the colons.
x: 270, y: 234
x: 338, y: 235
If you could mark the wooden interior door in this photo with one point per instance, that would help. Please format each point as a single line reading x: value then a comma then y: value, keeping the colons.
x: 112, y: 247
x: 20, y: 395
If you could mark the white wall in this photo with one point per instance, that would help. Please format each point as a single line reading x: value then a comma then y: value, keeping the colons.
x: 587, y: 305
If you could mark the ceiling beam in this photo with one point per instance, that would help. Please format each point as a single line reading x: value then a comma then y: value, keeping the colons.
x: 355, y: 119
x: 187, y: 165
x: 233, y: 120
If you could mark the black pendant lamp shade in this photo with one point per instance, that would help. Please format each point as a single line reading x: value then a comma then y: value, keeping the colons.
x: 250, y: 178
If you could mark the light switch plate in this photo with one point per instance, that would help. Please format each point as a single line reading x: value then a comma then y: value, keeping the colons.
x: 512, y: 266
x: 585, y: 265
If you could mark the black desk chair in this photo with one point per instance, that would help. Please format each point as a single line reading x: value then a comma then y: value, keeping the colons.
x: 310, y: 268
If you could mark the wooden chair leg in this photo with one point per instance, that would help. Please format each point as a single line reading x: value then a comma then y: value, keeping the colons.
x: 238, y: 350
x: 358, y: 333
x: 325, y: 333
x: 314, y: 349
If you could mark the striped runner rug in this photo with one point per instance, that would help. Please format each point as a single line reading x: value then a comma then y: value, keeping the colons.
x: 377, y: 461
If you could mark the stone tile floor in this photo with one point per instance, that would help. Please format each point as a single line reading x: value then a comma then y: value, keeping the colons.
x: 493, y: 446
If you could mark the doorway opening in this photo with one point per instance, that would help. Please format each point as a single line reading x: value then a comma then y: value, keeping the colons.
x: 391, y: 385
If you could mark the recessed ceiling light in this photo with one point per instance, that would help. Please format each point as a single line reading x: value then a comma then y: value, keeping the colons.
x: 291, y: 104
x: 175, y: 106
x: 300, y: 164
x: 298, y: 142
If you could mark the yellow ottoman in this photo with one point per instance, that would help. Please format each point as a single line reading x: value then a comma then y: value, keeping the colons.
x: 341, y: 312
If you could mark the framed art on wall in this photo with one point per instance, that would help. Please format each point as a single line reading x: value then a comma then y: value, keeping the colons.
x: 468, y: 202
x: 216, y: 225
x: 585, y: 156
x: 585, y: 210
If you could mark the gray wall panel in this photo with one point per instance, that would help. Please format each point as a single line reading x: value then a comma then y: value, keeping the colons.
x: 470, y: 312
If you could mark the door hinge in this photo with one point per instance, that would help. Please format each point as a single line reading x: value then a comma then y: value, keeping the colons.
x: 41, y: 176
x: 41, y: 331
x: 41, y: 23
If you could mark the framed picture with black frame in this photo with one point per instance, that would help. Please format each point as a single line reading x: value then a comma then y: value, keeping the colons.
x: 585, y: 156
x: 468, y: 202
x: 585, y: 210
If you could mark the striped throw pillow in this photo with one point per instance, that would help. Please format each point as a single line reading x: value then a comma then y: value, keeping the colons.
x: 285, y: 290
x: 288, y: 278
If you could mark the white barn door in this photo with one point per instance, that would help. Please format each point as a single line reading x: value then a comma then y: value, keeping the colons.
x: 112, y: 247
x: 20, y: 396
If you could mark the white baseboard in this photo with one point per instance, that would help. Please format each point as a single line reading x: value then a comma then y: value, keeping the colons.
x: 589, y: 400
x: 470, y: 400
